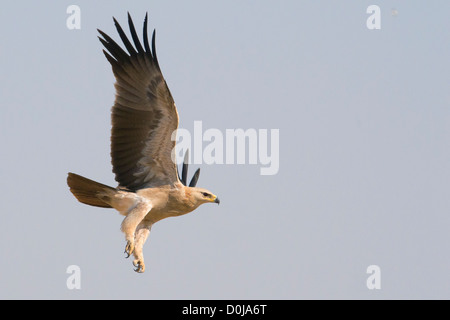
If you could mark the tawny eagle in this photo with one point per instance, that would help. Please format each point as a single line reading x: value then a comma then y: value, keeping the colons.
x: 144, y: 117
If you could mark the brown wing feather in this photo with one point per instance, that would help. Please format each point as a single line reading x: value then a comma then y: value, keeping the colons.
x: 144, y: 115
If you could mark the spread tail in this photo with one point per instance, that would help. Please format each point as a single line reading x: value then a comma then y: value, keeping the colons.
x: 88, y: 191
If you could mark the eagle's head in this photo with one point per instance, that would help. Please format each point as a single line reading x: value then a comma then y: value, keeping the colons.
x: 203, y: 196
x: 197, y: 196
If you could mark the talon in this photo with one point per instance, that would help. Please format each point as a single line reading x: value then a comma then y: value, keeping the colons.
x: 129, y: 248
x: 140, y: 266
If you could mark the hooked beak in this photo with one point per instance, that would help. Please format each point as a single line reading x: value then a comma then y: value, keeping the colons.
x: 217, y: 200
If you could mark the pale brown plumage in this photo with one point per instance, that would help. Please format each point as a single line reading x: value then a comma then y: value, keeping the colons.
x: 143, y: 117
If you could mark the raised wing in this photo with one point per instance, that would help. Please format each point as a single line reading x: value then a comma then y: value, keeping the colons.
x: 184, y: 172
x: 144, y: 115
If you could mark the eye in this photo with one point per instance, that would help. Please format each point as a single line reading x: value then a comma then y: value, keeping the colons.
x: 205, y: 194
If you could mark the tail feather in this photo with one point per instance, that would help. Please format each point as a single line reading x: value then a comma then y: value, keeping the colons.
x: 88, y: 191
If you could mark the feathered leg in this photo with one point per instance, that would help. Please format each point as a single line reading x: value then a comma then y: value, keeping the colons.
x: 135, y: 215
x: 141, y: 235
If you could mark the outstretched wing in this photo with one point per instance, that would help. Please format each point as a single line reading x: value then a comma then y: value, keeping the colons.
x: 144, y: 115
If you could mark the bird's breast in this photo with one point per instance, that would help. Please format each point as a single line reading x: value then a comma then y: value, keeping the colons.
x: 166, y: 203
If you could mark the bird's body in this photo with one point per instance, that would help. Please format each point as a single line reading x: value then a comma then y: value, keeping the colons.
x: 165, y: 201
x: 144, y: 118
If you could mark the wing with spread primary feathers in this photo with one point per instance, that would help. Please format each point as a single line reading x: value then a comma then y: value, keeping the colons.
x: 144, y: 115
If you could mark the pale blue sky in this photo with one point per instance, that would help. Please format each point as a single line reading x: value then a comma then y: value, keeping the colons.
x: 364, y: 120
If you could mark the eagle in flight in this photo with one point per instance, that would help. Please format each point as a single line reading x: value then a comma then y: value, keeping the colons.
x: 143, y: 117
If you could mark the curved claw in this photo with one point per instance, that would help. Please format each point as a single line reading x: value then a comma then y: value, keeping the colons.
x: 129, y: 248
x: 140, y: 266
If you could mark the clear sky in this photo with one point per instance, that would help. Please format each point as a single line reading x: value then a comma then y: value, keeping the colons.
x: 364, y: 150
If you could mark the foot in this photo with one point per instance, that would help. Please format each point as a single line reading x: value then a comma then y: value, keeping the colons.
x: 129, y: 248
x: 140, y: 266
